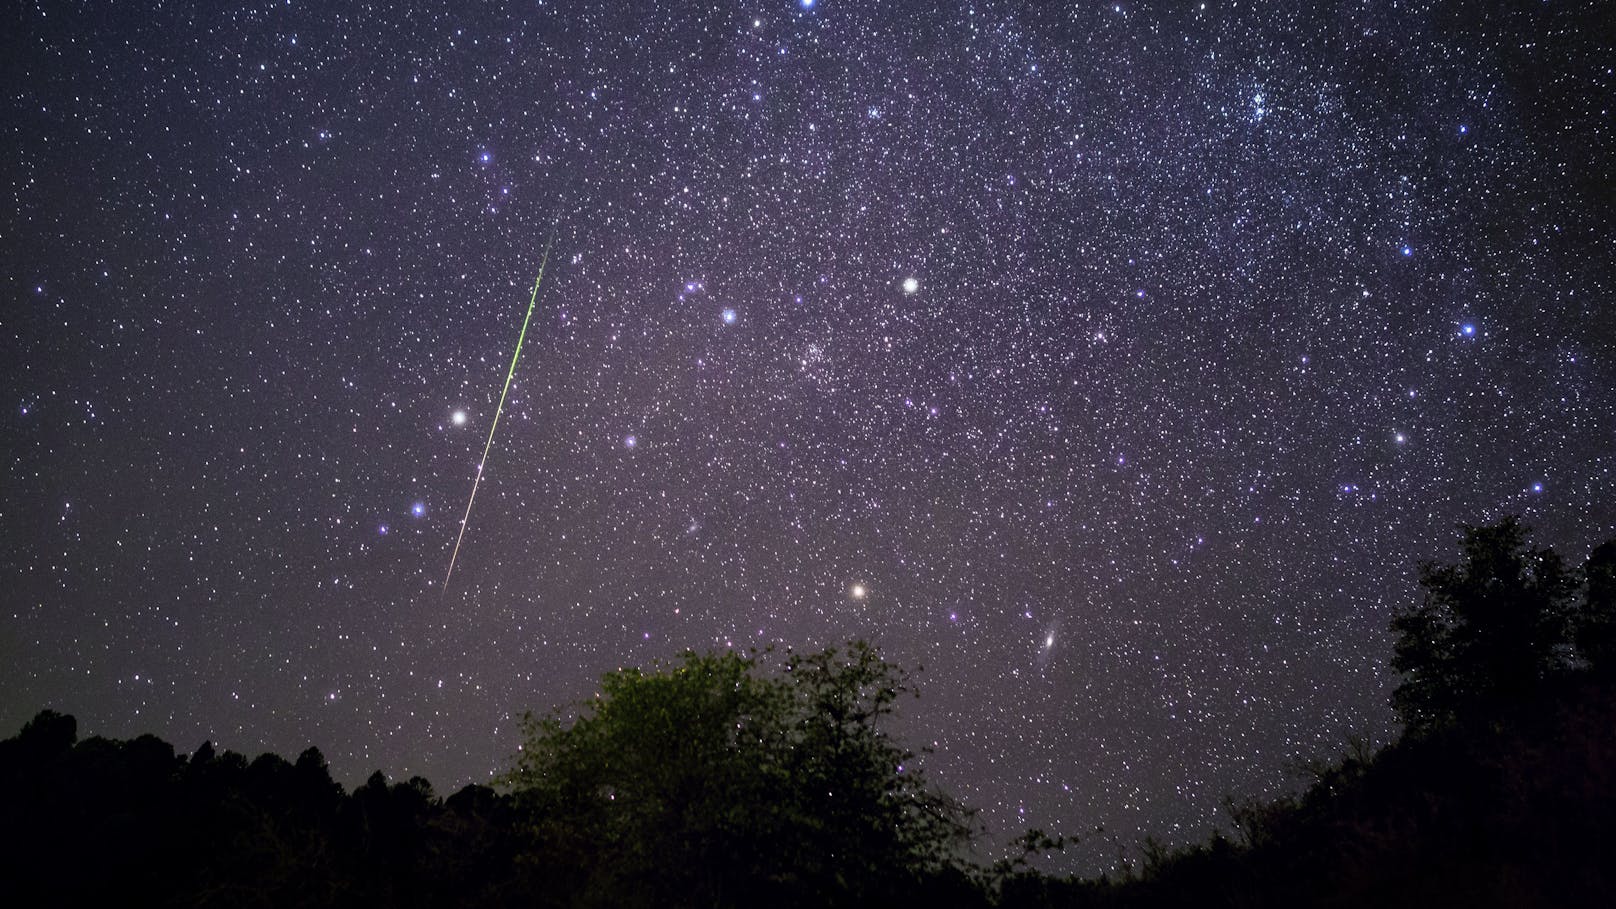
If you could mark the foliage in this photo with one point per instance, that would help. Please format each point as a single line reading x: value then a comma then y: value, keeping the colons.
x: 704, y: 783
x: 1595, y: 630
x: 101, y: 821
x: 712, y: 783
x: 1503, y: 792
x: 715, y: 781
x: 1490, y: 630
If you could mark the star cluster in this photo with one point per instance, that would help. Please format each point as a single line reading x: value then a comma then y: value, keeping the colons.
x: 1113, y: 362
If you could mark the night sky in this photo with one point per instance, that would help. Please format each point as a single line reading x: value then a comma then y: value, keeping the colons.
x: 1114, y: 363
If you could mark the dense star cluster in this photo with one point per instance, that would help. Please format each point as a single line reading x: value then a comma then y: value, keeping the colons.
x: 1114, y: 362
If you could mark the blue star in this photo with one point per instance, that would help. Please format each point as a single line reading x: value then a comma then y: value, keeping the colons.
x: 1407, y: 251
x: 1468, y: 330
x: 729, y: 317
x: 418, y: 509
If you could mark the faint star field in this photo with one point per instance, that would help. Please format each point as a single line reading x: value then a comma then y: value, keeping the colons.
x: 1116, y: 363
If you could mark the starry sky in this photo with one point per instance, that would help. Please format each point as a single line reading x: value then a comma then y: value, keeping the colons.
x: 1114, y: 363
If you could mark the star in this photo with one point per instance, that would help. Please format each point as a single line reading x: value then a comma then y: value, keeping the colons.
x: 1168, y: 309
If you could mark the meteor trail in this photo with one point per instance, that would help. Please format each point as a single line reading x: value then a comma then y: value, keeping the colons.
x: 466, y: 518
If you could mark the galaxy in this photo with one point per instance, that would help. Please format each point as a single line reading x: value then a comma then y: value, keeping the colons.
x: 1112, y: 363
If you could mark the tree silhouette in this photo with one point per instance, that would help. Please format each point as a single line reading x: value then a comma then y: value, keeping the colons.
x: 1489, y: 631
x: 709, y: 783
x: 739, y: 779
x: 730, y: 779
x: 1596, y: 621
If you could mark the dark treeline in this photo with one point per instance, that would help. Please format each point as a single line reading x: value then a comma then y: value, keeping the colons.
x: 738, y: 780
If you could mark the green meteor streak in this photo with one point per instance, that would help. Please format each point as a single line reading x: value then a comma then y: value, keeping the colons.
x: 509, y: 373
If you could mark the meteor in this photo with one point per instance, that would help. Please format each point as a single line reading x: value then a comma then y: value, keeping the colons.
x: 520, y: 337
